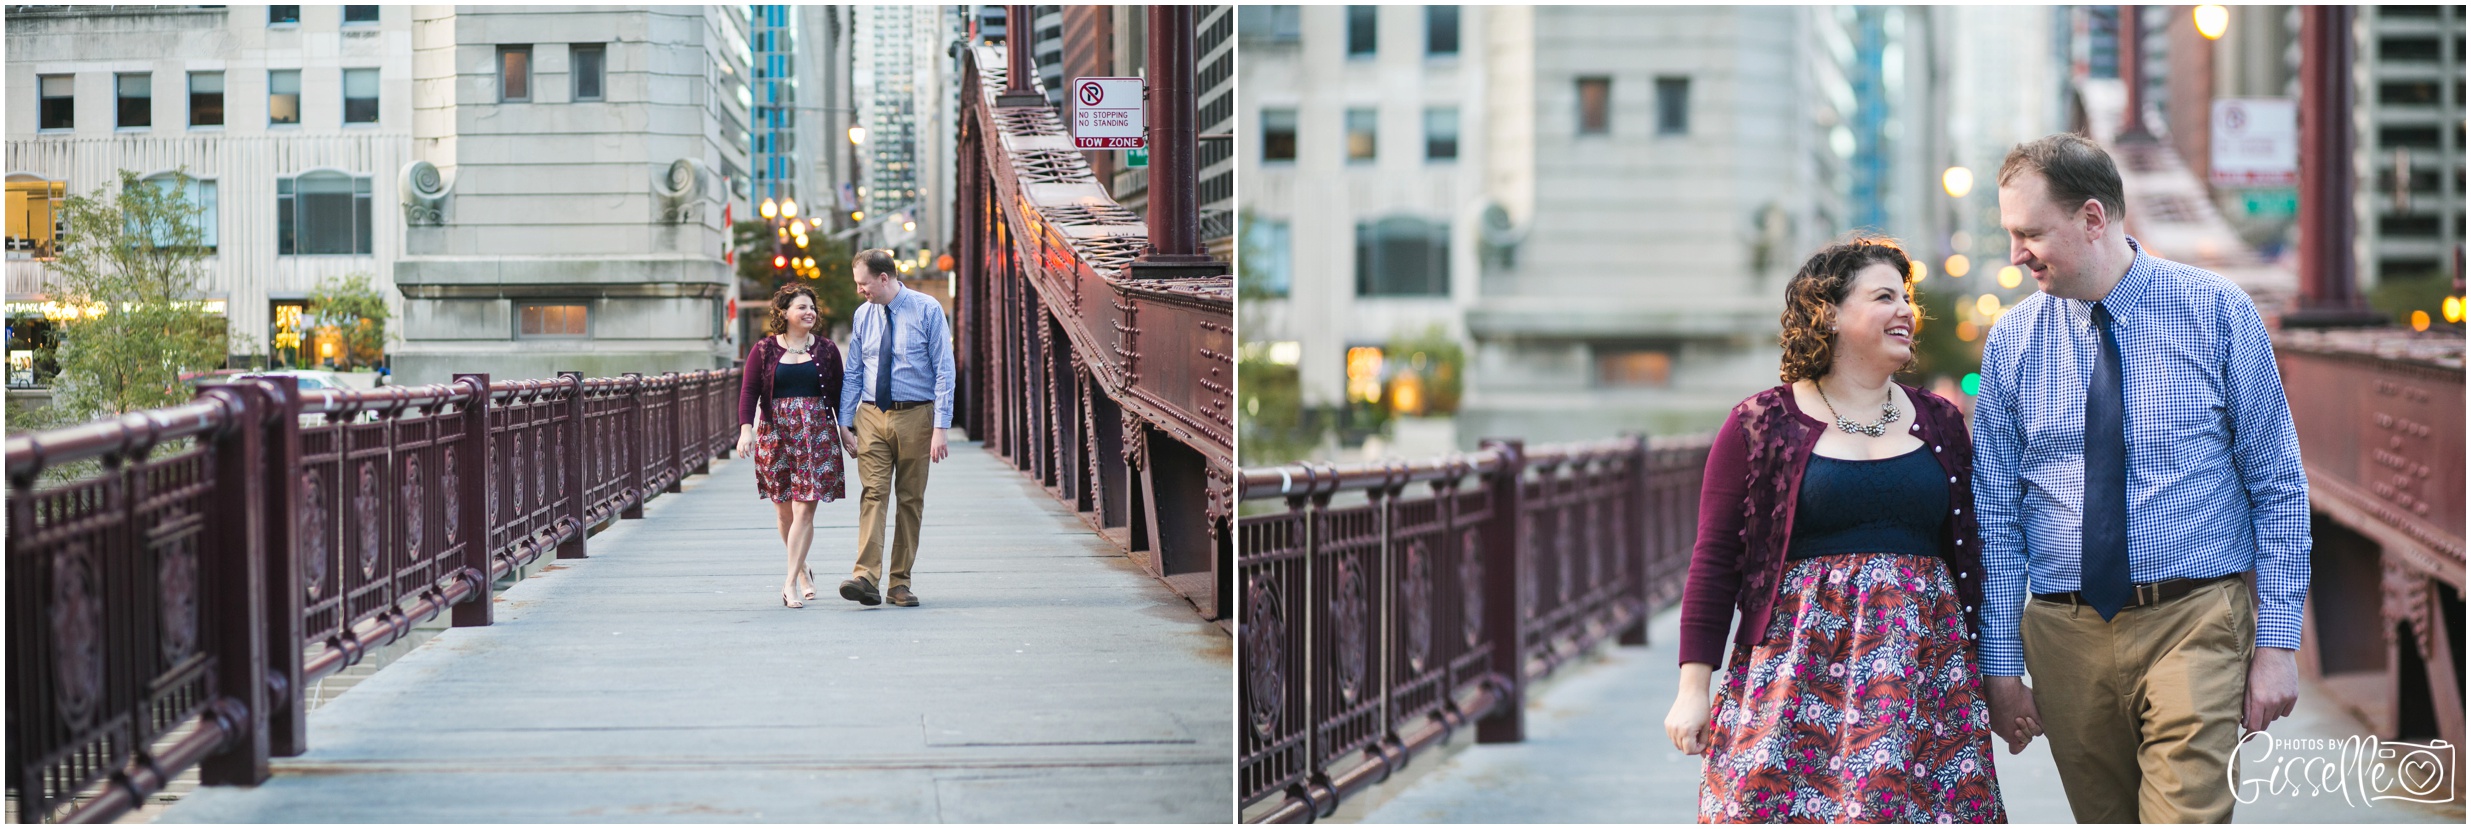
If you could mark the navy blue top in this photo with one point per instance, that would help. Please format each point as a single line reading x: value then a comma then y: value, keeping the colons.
x: 797, y: 380
x: 1890, y: 505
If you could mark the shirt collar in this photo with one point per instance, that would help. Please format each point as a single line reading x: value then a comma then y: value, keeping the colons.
x: 2124, y: 297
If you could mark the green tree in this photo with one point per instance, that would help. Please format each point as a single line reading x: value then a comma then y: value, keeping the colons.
x: 130, y: 260
x: 835, y: 293
x: 353, y: 303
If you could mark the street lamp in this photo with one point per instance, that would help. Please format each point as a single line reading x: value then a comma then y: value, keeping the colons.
x: 1958, y: 182
x: 857, y: 134
x: 2212, y: 20
x: 789, y: 208
x: 770, y: 209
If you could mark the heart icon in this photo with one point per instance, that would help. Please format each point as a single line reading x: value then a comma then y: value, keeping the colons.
x: 2419, y: 774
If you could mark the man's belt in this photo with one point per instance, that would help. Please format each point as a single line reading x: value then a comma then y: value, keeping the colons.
x: 901, y: 405
x: 2149, y: 593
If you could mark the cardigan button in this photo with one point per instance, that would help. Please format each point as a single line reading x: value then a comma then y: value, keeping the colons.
x: 1960, y: 542
x: 1951, y: 479
x: 1959, y: 511
x: 1965, y: 574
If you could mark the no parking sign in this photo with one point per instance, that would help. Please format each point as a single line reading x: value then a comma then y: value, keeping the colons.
x: 1107, y: 114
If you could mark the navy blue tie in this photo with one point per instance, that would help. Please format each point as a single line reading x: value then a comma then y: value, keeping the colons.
x: 2103, y: 564
x: 883, y: 365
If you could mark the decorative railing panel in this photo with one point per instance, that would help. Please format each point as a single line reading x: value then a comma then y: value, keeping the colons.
x: 1112, y: 390
x: 171, y: 612
x: 1438, y: 598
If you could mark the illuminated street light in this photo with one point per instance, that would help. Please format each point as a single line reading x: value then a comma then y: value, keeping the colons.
x: 789, y: 208
x: 1958, y: 266
x: 1919, y: 270
x: 2419, y: 320
x: 2011, y: 276
x: 770, y: 209
x: 1988, y: 305
x: 797, y: 227
x: 857, y: 135
x: 909, y: 227
x: 1958, y: 182
x: 2453, y: 309
x: 2211, y: 20
x: 857, y: 215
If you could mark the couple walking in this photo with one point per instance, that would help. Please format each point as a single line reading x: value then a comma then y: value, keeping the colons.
x: 2132, y: 456
x: 889, y: 403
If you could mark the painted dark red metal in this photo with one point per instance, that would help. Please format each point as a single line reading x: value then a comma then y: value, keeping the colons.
x: 2328, y: 284
x: 1114, y: 393
x: 1373, y: 630
x: 207, y: 584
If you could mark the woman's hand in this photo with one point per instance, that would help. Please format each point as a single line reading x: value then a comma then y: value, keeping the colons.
x: 1686, y: 724
x: 746, y: 440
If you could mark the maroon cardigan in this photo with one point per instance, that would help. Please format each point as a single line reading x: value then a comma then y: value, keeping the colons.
x: 1746, y: 501
x: 755, y: 389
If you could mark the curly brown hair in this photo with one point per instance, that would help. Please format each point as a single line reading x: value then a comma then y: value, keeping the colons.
x: 777, y: 322
x: 1812, y: 295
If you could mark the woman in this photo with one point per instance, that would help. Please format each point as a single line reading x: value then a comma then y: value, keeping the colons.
x: 1848, y: 543
x: 793, y: 379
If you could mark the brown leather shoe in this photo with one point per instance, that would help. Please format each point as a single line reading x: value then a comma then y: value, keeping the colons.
x: 901, y: 597
x: 862, y: 591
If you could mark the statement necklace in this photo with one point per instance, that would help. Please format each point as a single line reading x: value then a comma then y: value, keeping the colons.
x: 801, y: 350
x: 1887, y: 415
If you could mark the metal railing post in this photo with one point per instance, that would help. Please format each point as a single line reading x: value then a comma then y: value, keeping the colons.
x: 1640, y: 536
x: 677, y: 432
x: 632, y: 438
x: 577, y: 487
x: 232, y: 576
x: 1505, y: 618
x: 475, y: 479
x: 286, y: 595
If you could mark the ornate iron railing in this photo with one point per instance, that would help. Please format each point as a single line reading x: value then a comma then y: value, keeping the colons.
x: 171, y: 612
x: 1114, y: 391
x: 1372, y: 631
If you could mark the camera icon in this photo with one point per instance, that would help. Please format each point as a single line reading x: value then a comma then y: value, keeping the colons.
x: 2421, y: 771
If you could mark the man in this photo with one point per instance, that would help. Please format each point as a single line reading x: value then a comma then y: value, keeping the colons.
x: 2134, y: 455
x: 896, y: 402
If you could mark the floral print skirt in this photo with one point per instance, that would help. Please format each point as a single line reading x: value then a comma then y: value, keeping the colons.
x: 798, y: 451
x: 1863, y: 706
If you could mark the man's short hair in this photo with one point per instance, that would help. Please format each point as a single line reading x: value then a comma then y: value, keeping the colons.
x: 878, y: 261
x: 2076, y: 168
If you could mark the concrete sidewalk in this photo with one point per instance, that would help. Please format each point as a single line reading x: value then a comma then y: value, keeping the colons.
x: 1596, y: 752
x: 1044, y: 679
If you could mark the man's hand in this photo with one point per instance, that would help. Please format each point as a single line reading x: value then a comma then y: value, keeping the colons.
x: 937, y: 449
x: 2013, y: 716
x: 2273, y: 687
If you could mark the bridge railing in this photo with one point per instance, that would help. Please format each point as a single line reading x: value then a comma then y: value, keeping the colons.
x: 1115, y: 391
x: 1372, y: 630
x: 171, y: 612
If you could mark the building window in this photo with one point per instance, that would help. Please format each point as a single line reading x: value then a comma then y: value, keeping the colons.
x: 282, y: 15
x: 136, y: 92
x: 514, y: 74
x: 360, y: 96
x: 200, y: 192
x: 205, y: 99
x: 552, y: 321
x: 1441, y: 133
x: 1634, y: 368
x: 34, y: 217
x: 283, y: 96
x: 1360, y: 30
x: 1402, y: 256
x: 1266, y: 256
x: 1270, y: 24
x: 322, y: 213
x: 1595, y: 106
x: 59, y: 108
x: 1278, y: 135
x: 1361, y: 128
x: 591, y: 66
x: 1672, y: 106
x: 1441, y: 30
x: 360, y: 14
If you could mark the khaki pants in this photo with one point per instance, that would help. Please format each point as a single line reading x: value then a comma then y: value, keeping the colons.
x: 892, y: 458
x: 2143, y: 711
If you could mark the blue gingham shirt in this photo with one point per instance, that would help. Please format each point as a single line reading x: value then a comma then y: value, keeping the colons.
x: 2215, y: 485
x: 921, y: 355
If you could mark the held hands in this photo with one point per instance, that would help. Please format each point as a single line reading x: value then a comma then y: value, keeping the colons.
x: 2273, y: 688
x: 849, y: 438
x: 2013, y: 716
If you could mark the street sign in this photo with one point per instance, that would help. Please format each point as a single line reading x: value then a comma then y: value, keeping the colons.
x: 2271, y: 201
x: 1107, y: 114
x: 1136, y: 159
x: 2255, y: 142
